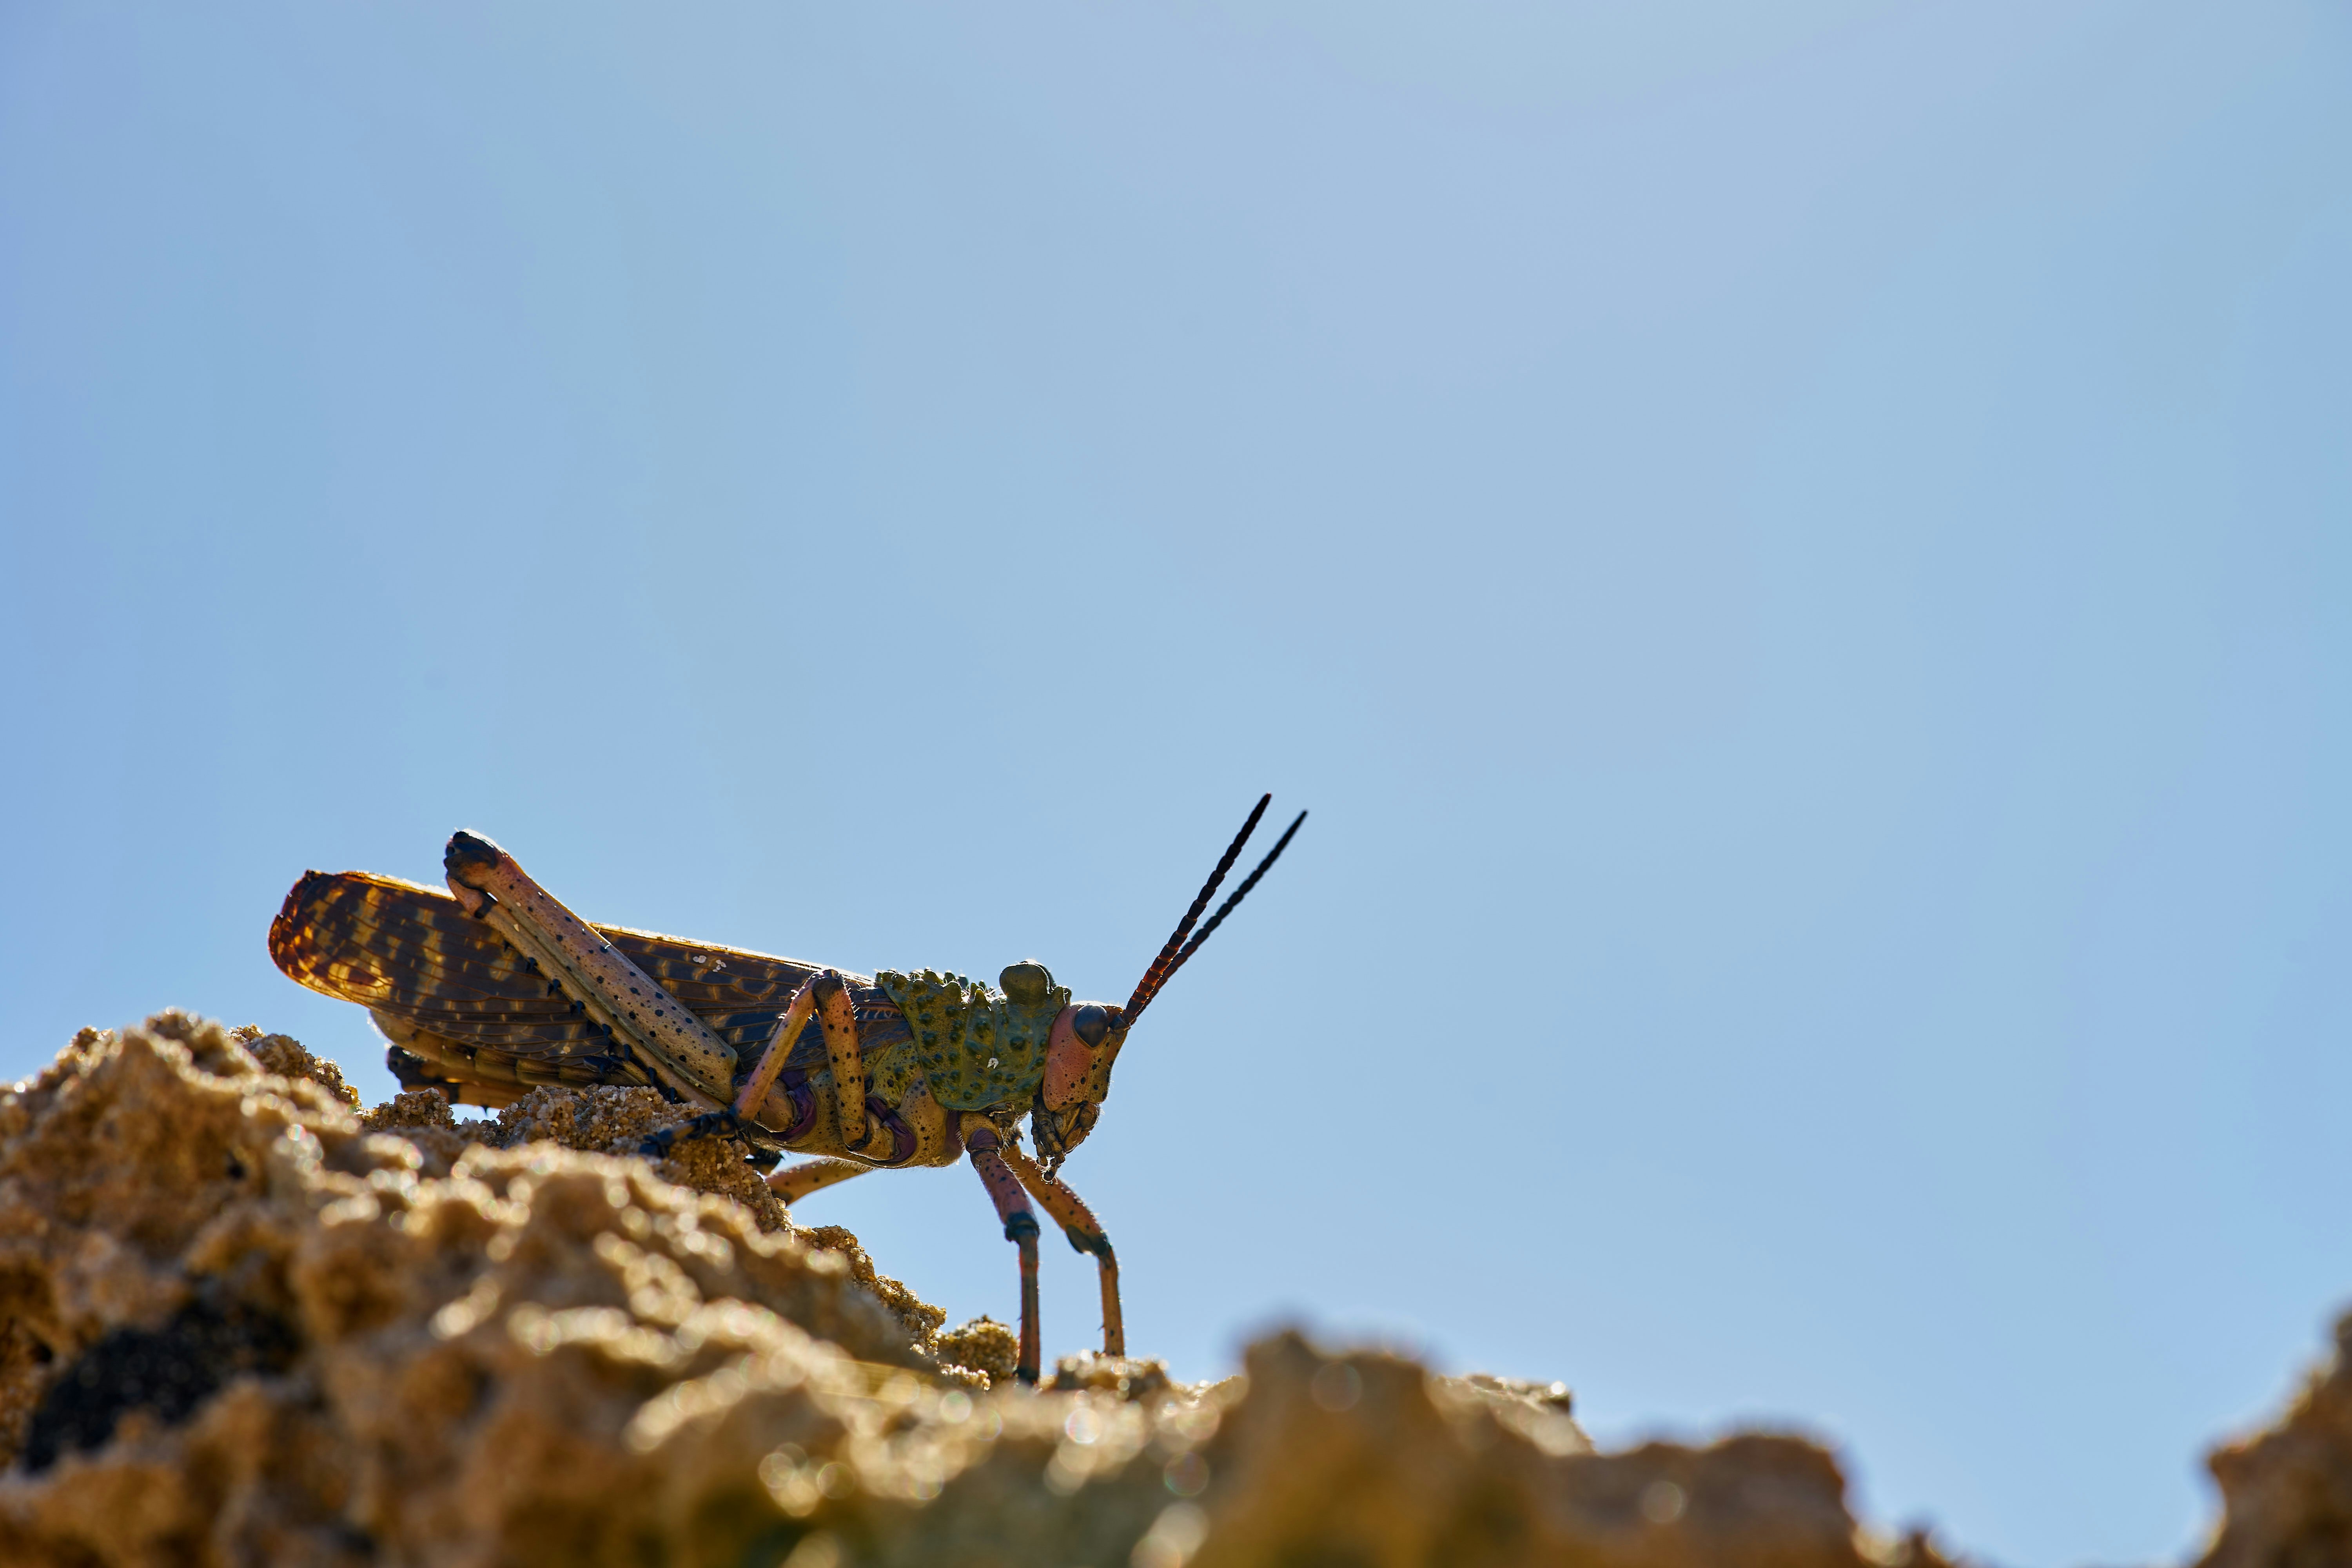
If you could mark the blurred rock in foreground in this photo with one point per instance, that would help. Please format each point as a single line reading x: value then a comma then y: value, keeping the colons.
x: 240, y: 1322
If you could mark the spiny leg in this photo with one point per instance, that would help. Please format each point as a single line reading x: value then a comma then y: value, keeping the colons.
x: 797, y: 1181
x: 663, y: 1033
x: 988, y: 1154
x: 1086, y: 1234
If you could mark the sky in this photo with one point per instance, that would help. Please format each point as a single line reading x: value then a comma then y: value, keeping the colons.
x: 1795, y: 553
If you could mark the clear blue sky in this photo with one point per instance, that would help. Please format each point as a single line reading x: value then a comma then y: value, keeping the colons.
x: 1798, y: 554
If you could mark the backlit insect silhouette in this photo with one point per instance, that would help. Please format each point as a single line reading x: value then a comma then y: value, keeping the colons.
x: 494, y: 988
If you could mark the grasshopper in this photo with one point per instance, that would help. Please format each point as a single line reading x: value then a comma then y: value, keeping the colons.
x: 494, y: 988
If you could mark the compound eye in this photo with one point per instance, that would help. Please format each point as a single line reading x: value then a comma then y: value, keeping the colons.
x: 1028, y: 983
x: 1091, y: 1025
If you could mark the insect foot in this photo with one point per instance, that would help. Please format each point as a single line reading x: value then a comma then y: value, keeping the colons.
x: 711, y: 1125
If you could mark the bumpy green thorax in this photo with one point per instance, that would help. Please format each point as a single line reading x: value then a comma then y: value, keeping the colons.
x: 978, y: 1046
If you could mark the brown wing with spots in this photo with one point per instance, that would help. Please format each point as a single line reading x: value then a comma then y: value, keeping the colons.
x: 450, y: 990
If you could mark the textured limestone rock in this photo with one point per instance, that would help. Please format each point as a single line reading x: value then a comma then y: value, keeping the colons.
x: 1369, y: 1461
x: 246, y: 1328
x: 2286, y: 1493
x: 240, y: 1322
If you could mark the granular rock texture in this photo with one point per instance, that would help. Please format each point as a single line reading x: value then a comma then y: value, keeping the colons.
x: 240, y: 1322
x: 2287, y: 1493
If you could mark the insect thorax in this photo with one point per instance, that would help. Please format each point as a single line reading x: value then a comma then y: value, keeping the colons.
x: 977, y: 1047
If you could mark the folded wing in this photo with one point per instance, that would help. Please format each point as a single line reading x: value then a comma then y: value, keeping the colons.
x: 450, y: 990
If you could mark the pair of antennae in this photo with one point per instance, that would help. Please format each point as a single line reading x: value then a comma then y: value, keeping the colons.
x: 1173, y: 956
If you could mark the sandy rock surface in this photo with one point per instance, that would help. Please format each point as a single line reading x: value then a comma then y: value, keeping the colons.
x: 241, y: 1322
x: 2287, y: 1492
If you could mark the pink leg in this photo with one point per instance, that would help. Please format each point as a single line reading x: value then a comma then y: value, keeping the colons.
x: 1020, y: 1229
x: 1086, y: 1234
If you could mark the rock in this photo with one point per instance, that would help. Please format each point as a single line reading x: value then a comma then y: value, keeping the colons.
x: 1367, y: 1459
x: 245, y: 1324
x: 2287, y: 1494
x: 283, y: 1055
x: 985, y: 1346
x: 374, y: 1363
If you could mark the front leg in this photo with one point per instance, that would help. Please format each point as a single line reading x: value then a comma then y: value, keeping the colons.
x: 988, y: 1151
x: 1077, y: 1223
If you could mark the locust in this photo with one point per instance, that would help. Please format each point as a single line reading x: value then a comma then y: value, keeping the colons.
x: 494, y: 988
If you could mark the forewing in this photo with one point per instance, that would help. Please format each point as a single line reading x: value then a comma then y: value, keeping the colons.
x: 740, y: 994
x: 410, y: 954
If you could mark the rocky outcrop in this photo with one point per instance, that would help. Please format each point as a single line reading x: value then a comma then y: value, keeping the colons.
x: 240, y: 1321
x: 2286, y: 1493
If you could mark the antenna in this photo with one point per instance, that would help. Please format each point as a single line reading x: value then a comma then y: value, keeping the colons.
x: 1226, y: 908
x: 1173, y: 956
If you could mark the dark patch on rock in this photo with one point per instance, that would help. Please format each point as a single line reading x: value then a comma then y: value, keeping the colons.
x: 168, y: 1371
